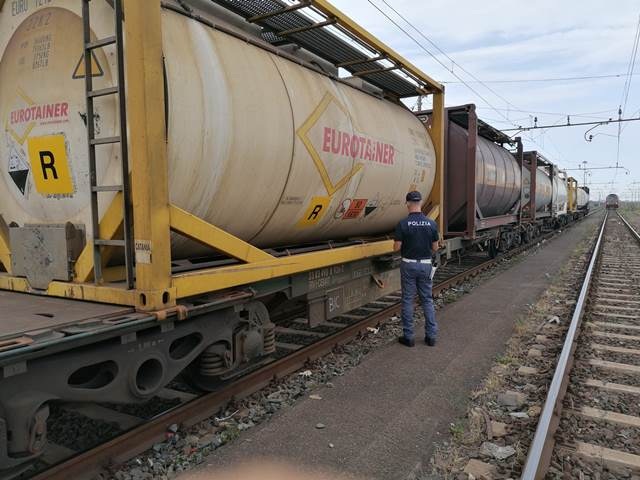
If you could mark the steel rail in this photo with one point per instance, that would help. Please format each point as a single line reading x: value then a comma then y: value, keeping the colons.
x: 140, y: 438
x: 541, y: 448
x: 629, y: 226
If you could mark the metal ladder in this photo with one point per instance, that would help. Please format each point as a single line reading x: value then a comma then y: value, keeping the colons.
x: 88, y: 47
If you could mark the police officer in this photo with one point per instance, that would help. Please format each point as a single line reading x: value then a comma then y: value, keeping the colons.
x: 417, y: 238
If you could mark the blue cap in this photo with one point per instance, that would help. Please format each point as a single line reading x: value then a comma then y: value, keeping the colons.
x: 414, y: 196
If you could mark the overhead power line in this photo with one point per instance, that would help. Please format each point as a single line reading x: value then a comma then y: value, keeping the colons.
x: 442, y: 52
x: 451, y: 69
x: 453, y: 62
x: 551, y: 79
x: 630, y: 68
x: 627, y: 88
x: 419, y: 44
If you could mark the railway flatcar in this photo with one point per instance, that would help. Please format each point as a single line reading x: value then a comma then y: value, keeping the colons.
x: 257, y: 179
x: 612, y: 202
x: 170, y: 187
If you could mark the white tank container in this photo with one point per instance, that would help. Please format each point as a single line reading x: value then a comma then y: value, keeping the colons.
x: 583, y: 198
x: 543, y: 188
x: 262, y: 147
x: 560, y: 195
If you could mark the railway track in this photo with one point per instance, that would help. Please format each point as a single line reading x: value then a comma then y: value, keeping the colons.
x: 590, y: 424
x: 106, y: 435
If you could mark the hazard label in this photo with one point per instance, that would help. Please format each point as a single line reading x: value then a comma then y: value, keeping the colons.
x: 96, y: 68
x: 356, y: 207
x: 49, y: 165
x: 18, y: 168
x: 371, y: 206
x: 315, y: 211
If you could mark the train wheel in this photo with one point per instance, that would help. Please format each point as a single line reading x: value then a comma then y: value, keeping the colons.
x: 493, y: 249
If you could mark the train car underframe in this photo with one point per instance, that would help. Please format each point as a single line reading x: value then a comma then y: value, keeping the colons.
x: 127, y: 357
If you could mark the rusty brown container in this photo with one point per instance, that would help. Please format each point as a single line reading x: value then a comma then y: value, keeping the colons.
x: 495, y: 178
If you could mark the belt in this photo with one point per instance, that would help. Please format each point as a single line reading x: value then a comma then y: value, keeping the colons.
x: 413, y: 260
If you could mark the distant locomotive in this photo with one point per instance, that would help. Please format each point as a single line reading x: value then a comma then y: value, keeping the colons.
x: 612, y: 201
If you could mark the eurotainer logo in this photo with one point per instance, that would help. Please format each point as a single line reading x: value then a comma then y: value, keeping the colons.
x: 329, y: 136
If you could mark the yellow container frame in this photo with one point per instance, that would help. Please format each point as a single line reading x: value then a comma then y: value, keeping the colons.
x: 572, y: 197
x: 156, y: 288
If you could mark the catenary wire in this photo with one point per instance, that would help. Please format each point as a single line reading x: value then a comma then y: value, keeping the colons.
x: 421, y: 45
x: 551, y: 79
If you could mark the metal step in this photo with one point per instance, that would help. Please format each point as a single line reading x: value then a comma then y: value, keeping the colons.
x: 104, y: 140
x: 107, y: 188
x: 102, y: 92
x: 103, y: 42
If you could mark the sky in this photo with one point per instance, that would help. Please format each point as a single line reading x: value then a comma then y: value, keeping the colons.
x: 502, y: 40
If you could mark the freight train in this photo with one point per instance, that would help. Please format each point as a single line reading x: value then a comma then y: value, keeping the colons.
x: 259, y: 178
x: 612, y: 202
x: 492, y: 200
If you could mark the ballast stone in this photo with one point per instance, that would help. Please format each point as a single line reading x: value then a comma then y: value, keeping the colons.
x: 496, y: 451
x: 481, y: 470
x: 512, y: 399
x: 498, y: 429
x: 534, y: 352
x: 524, y: 370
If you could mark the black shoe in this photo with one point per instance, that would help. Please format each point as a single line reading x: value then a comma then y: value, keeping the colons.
x: 406, y: 342
x: 430, y: 341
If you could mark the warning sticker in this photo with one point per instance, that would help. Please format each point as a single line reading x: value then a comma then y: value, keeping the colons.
x: 18, y: 168
x: 351, y: 208
x: 355, y: 209
x: 49, y: 165
x: 344, y: 206
x: 315, y: 211
x: 371, y: 206
x: 96, y: 68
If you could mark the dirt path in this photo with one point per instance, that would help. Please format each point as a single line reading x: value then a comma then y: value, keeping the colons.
x: 382, y: 418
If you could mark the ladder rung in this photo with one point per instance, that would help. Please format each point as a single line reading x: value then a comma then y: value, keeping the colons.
x: 103, y: 42
x: 104, y: 140
x: 108, y: 243
x: 102, y: 92
x: 107, y: 188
